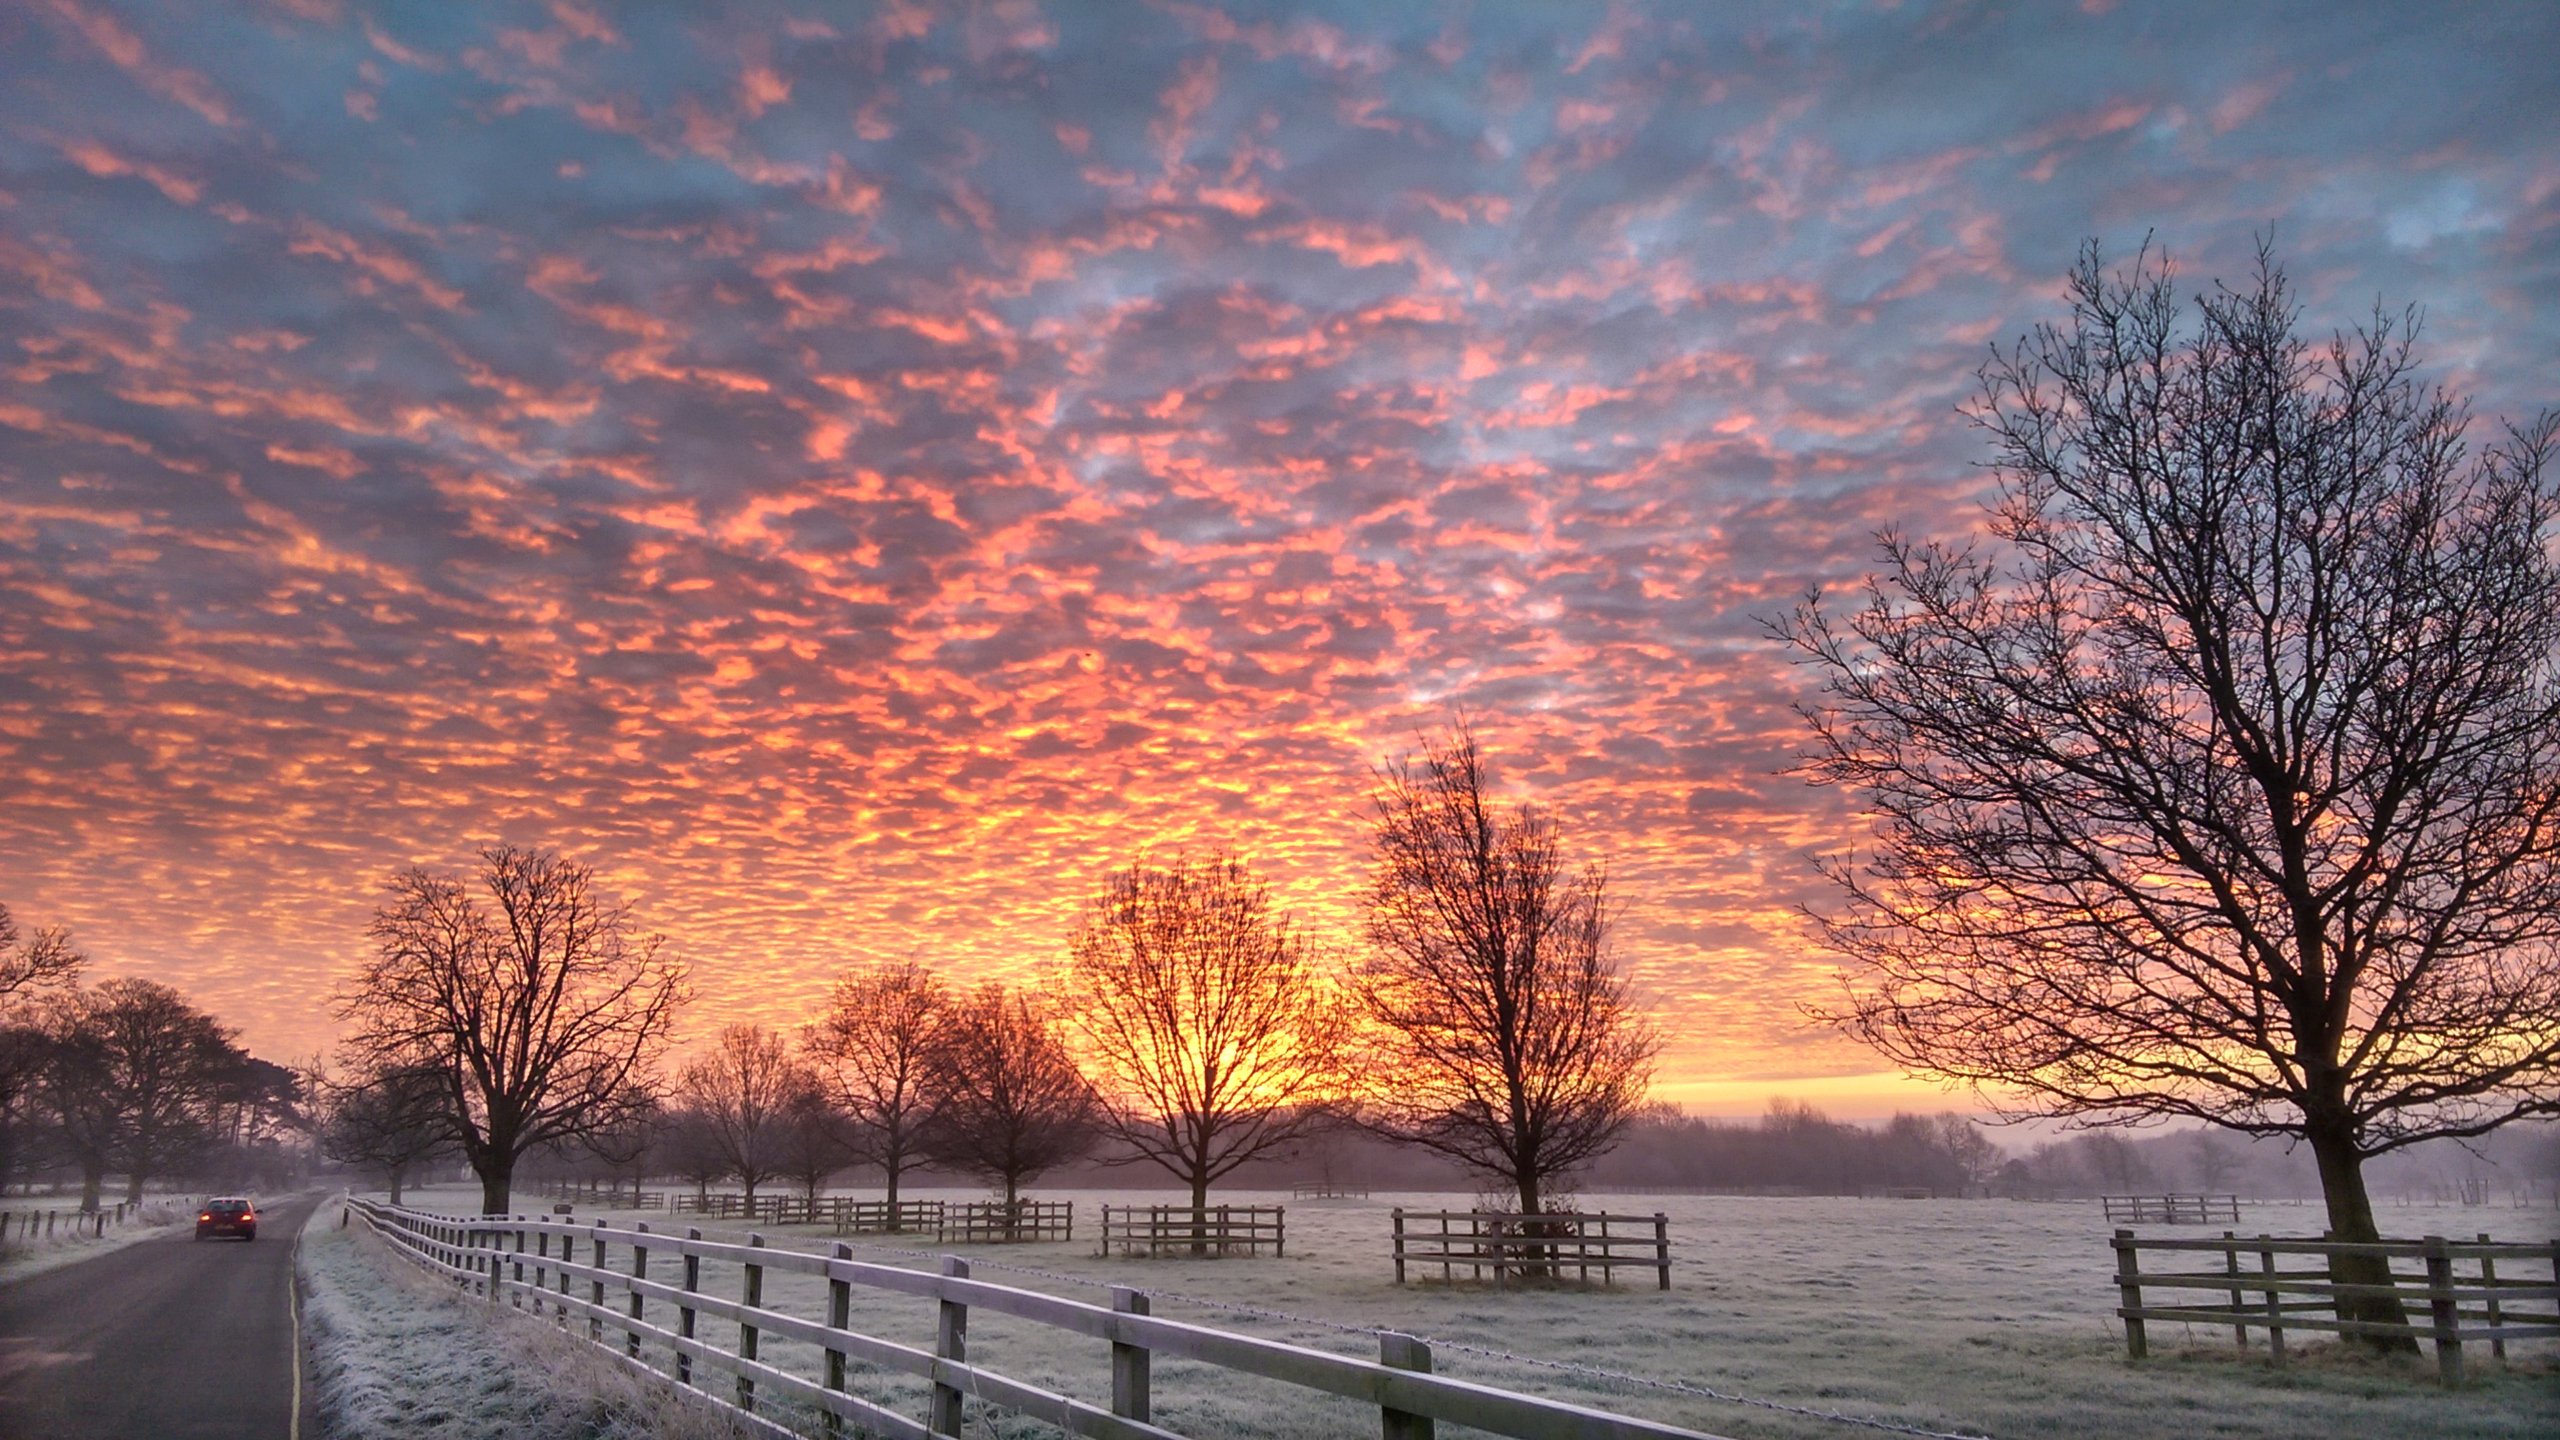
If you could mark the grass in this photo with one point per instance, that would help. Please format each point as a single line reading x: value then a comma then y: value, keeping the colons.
x: 1984, y: 1318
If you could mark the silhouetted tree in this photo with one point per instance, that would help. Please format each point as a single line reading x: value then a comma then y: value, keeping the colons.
x: 1010, y: 1103
x: 386, y: 1117
x: 2226, y: 783
x: 1508, y: 1042
x: 133, y: 1080
x: 872, y: 1051
x: 543, y: 1009
x: 743, y: 1092
x: 1214, y: 1037
x: 816, y: 1140
x: 29, y: 962
x: 28, y: 965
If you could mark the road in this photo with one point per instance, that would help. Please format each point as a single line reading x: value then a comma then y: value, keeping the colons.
x: 167, y: 1339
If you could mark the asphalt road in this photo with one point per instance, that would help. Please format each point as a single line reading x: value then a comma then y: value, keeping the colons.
x: 163, y: 1340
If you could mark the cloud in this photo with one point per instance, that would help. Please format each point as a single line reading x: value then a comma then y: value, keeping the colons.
x: 858, y: 484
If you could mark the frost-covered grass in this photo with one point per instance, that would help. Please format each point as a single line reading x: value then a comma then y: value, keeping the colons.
x: 33, y: 1256
x: 394, y: 1354
x: 1982, y: 1317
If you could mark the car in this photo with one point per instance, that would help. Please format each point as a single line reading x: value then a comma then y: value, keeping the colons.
x: 227, y: 1215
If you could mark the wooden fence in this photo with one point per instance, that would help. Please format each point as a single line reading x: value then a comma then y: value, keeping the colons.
x: 611, y: 1193
x: 993, y: 1222
x: 1531, y: 1247
x: 1328, y: 1190
x: 2447, y: 1308
x: 25, y: 1227
x: 599, y: 1275
x: 2171, y: 1209
x: 878, y: 1217
x: 1181, y: 1230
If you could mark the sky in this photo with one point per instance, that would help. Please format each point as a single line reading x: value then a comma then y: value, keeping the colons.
x: 857, y: 474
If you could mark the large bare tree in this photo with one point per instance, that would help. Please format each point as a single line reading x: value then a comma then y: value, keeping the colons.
x: 534, y: 995
x: 29, y: 965
x: 1510, y: 1042
x: 1011, y: 1103
x: 744, y: 1093
x: 134, y: 1080
x: 2223, y: 782
x: 1215, y: 1036
x: 872, y: 1051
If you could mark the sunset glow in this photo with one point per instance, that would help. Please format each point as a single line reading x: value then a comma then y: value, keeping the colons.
x: 858, y: 475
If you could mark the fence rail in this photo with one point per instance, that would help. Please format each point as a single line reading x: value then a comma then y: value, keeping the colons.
x: 1531, y: 1247
x: 2448, y: 1309
x: 2171, y: 1209
x: 600, y: 1275
x: 1179, y: 1229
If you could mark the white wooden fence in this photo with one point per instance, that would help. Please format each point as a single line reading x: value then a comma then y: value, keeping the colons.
x: 600, y: 1274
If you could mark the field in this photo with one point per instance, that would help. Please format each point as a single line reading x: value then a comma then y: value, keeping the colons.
x: 1984, y: 1318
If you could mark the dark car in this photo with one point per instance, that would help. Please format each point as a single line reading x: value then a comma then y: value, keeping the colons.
x: 230, y: 1215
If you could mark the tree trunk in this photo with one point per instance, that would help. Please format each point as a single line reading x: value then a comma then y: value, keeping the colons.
x: 1199, y: 1214
x: 495, y: 1187
x: 133, y: 1188
x: 396, y: 1177
x: 892, y: 1167
x: 2351, y: 1218
x: 93, y: 1183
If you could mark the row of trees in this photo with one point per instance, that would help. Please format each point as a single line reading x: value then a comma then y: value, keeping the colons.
x: 1191, y: 1025
x: 124, y: 1077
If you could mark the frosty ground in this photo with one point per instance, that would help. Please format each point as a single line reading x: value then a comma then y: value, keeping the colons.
x: 1983, y: 1317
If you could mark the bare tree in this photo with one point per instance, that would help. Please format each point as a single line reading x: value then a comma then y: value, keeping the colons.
x: 32, y: 961
x: 533, y: 995
x: 386, y: 1117
x: 872, y: 1051
x: 1511, y: 1045
x: 2213, y: 1160
x: 1215, y: 1036
x: 28, y: 964
x: 2226, y: 783
x: 133, y: 1080
x: 1010, y: 1102
x: 816, y: 1140
x: 687, y: 1149
x: 744, y: 1093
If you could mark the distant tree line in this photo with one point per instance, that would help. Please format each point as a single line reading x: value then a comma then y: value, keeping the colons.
x: 1190, y: 1027
x: 127, y: 1078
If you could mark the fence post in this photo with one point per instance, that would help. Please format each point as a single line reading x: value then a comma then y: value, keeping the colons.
x: 2497, y: 1316
x: 2275, y: 1305
x: 595, y: 1292
x: 839, y: 1317
x: 1129, y: 1387
x: 1662, y: 1247
x: 1399, y: 1223
x: 1280, y: 1232
x: 2448, y: 1335
x: 1404, y: 1352
x: 639, y: 1271
x: 2129, y: 1290
x: 753, y: 1296
x: 515, y: 1292
x: 684, y: 1312
x: 950, y: 1342
x: 2231, y: 1267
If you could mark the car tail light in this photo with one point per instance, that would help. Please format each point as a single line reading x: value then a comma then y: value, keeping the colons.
x: 206, y: 1215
